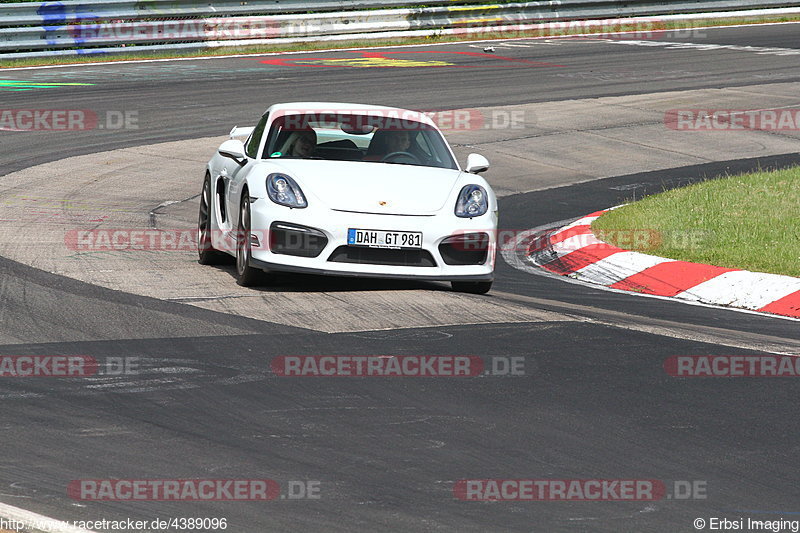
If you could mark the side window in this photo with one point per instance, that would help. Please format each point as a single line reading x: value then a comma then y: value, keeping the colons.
x: 422, y: 142
x: 277, y: 136
x: 255, y: 138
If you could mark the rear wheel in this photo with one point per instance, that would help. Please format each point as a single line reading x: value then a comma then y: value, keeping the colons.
x: 472, y: 287
x: 207, y: 255
x: 246, y: 276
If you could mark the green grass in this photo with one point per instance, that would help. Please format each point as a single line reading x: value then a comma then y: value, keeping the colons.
x: 263, y: 49
x: 749, y: 221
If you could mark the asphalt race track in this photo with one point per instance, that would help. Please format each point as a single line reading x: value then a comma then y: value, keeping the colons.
x: 593, y: 402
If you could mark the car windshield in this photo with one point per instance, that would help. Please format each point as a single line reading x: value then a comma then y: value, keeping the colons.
x: 357, y: 137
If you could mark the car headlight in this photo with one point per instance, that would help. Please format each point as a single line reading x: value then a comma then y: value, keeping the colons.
x: 472, y: 202
x: 284, y: 190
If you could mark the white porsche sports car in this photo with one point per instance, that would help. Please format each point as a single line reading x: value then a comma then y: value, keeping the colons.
x: 349, y: 190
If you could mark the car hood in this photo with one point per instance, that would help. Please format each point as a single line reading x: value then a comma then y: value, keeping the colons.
x: 364, y: 187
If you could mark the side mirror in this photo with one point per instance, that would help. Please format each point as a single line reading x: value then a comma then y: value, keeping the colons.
x: 476, y: 164
x: 233, y: 149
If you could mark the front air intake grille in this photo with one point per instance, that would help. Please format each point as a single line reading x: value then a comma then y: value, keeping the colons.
x: 382, y: 256
x: 293, y: 239
x: 465, y: 249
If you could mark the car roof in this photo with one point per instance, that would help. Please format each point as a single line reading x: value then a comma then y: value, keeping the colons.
x: 340, y: 107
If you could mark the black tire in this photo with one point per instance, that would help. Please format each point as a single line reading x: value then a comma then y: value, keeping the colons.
x: 206, y: 253
x: 246, y: 276
x: 472, y: 287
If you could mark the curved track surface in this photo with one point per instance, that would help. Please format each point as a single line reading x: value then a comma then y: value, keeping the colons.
x: 594, y: 401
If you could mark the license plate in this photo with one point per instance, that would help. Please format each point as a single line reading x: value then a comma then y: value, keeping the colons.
x: 384, y: 239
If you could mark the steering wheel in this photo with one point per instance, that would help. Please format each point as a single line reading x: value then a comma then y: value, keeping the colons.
x: 392, y: 155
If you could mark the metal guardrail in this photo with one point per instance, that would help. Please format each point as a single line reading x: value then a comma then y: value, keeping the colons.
x: 34, y: 29
x: 70, y: 12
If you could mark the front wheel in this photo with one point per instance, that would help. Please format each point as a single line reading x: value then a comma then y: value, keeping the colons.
x: 246, y: 276
x: 472, y: 287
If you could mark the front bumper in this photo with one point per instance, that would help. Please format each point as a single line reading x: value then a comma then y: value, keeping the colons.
x: 336, y: 258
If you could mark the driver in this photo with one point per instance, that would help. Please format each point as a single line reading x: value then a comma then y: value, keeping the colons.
x: 387, y: 142
x: 304, y: 144
x: 398, y: 141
